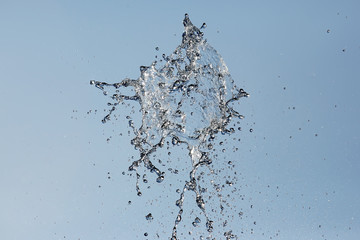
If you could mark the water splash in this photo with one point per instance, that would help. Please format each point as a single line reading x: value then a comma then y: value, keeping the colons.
x: 186, y: 97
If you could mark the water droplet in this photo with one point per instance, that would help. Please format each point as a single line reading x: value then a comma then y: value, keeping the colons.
x: 149, y: 217
x: 200, y: 202
x: 175, y: 140
x: 178, y: 219
x: 160, y: 179
x: 209, y: 226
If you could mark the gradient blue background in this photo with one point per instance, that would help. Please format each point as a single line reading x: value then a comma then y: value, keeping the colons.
x: 54, y: 156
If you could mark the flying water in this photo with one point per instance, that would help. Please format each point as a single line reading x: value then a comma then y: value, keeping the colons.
x: 186, y: 98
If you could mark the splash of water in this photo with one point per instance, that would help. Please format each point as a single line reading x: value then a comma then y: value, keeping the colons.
x: 187, y: 97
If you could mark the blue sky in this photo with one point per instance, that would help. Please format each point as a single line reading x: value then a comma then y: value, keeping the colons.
x: 298, y: 60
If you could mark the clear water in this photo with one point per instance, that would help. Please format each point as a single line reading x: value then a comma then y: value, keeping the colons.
x: 187, y: 99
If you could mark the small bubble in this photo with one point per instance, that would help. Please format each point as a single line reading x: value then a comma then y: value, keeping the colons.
x: 251, y: 130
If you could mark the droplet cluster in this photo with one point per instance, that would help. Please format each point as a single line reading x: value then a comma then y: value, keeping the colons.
x: 187, y: 99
